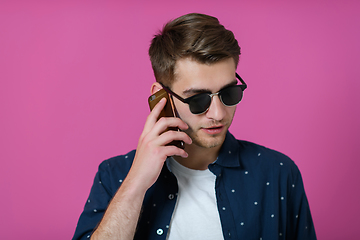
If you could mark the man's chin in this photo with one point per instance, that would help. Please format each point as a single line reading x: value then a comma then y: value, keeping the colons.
x: 208, y: 141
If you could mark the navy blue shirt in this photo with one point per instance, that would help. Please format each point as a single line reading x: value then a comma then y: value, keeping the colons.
x: 259, y: 191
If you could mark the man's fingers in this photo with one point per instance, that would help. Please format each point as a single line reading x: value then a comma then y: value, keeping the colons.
x: 175, y: 151
x: 154, y: 114
x: 166, y: 122
x: 169, y: 136
x: 154, y: 127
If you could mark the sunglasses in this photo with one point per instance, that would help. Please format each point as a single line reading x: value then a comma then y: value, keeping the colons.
x: 200, y: 103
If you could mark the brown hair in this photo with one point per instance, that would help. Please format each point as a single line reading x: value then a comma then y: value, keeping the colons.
x: 196, y: 36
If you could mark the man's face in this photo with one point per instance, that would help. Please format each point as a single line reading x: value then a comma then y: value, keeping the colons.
x: 208, y: 129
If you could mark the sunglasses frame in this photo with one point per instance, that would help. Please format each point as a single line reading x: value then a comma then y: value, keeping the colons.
x: 243, y: 86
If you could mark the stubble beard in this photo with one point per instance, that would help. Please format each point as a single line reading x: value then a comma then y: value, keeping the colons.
x: 210, y: 141
x: 207, y: 141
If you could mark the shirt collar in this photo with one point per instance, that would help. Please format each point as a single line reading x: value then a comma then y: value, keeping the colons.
x: 228, y: 155
x: 229, y: 152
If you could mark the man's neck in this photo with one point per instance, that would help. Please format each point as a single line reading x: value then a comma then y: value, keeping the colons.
x: 199, y: 157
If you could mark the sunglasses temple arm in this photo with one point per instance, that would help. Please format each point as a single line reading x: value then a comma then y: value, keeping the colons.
x: 172, y: 93
x: 242, y: 81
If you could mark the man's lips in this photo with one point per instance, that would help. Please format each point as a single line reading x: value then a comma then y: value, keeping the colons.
x: 213, y: 129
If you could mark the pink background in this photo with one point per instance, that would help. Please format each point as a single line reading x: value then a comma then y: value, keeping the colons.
x: 75, y: 77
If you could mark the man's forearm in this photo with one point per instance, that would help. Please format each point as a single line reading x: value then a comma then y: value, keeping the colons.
x: 122, y: 215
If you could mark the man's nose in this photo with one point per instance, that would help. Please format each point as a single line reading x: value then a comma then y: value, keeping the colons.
x: 216, y: 110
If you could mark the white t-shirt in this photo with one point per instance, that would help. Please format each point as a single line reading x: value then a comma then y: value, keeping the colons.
x: 196, y: 214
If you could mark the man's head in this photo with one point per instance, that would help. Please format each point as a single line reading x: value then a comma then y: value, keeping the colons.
x: 192, y: 55
x: 195, y: 36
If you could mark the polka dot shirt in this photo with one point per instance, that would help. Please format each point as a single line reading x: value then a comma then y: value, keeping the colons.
x: 259, y: 193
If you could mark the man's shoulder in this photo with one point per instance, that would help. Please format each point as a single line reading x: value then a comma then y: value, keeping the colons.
x: 260, y: 150
x: 118, y: 164
x: 255, y: 154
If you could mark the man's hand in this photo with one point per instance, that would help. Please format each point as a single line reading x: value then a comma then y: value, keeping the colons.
x: 122, y: 214
x: 152, y: 149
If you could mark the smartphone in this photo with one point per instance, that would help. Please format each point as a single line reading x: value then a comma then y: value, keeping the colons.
x: 168, y: 111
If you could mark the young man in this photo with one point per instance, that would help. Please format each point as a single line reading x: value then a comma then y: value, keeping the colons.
x: 217, y: 187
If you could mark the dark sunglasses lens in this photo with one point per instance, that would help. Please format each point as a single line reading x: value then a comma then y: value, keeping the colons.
x: 199, y: 103
x: 232, y: 95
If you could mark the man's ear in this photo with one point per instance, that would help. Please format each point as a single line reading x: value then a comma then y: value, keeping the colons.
x: 155, y: 87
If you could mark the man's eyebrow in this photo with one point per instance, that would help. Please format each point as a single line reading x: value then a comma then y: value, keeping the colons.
x: 193, y: 91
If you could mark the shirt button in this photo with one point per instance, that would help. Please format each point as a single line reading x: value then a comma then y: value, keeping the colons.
x: 160, y: 231
x: 171, y: 196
